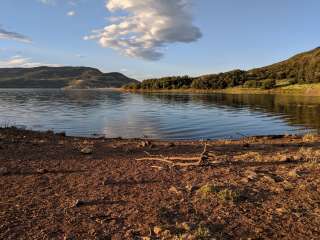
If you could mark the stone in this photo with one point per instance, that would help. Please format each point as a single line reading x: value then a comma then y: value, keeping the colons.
x: 4, y: 171
x: 293, y: 173
x: 87, y: 150
x: 42, y: 171
x: 281, y: 211
x: 157, y: 230
x: 144, y: 144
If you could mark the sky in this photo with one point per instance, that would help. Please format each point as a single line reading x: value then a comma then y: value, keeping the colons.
x: 154, y: 38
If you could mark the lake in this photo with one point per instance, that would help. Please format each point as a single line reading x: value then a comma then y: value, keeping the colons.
x: 158, y: 115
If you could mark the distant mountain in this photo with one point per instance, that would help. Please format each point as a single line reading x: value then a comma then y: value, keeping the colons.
x: 61, y: 77
x: 302, y: 68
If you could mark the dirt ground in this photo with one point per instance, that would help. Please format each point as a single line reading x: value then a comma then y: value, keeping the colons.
x: 58, y: 187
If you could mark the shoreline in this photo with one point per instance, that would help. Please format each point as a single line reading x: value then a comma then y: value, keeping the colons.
x: 60, y: 187
x: 297, y: 89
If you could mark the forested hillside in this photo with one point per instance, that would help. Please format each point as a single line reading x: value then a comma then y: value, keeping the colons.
x: 302, y: 68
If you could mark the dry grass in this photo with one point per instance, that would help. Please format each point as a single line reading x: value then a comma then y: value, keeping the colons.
x: 310, y: 137
x: 256, y: 156
x: 309, y: 154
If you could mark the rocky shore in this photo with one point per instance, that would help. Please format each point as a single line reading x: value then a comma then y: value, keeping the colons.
x: 58, y: 187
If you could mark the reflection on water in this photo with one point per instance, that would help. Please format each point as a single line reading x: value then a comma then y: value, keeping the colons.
x: 168, y: 116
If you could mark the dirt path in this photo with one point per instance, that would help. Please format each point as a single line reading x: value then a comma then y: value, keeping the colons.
x: 57, y: 187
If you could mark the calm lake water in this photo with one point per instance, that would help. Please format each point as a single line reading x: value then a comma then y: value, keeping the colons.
x: 166, y: 116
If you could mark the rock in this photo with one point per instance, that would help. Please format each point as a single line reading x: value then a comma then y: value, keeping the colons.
x: 281, y: 211
x: 157, y: 230
x: 42, y: 171
x: 4, y: 171
x: 293, y: 173
x: 144, y: 144
x: 146, y: 238
x: 87, y: 150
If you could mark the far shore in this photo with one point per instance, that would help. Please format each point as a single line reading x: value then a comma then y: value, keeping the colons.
x: 297, y: 89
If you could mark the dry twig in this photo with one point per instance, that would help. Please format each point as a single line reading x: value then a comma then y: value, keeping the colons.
x: 203, y: 160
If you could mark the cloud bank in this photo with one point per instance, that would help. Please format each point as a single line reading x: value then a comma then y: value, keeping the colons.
x: 4, y: 34
x: 147, y: 27
x: 20, y: 61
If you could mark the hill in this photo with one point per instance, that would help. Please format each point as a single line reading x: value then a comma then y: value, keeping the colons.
x: 60, y: 77
x: 302, y: 68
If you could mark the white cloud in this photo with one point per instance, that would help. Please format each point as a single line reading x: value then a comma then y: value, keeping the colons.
x: 48, y: 2
x: 8, y: 35
x: 148, y: 28
x: 71, y: 13
x: 20, y: 61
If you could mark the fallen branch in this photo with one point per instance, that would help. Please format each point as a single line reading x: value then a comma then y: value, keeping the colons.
x: 203, y: 160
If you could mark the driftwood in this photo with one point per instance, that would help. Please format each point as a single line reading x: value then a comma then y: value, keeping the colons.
x: 202, y: 160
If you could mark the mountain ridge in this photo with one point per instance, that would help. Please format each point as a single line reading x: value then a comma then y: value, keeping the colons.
x: 61, y: 77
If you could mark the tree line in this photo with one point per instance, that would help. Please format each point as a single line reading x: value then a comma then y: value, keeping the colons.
x: 302, y: 68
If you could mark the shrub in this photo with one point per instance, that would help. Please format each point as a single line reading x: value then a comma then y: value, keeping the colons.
x: 252, y: 84
x: 268, y: 84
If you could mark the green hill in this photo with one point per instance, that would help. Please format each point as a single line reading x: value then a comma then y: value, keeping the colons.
x: 302, y: 68
x: 60, y: 77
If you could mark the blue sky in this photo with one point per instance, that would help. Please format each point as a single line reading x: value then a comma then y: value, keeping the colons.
x: 221, y: 35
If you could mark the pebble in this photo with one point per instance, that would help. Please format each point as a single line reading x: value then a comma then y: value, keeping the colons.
x: 87, y: 150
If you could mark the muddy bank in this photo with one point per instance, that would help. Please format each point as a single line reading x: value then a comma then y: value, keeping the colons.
x: 58, y: 187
